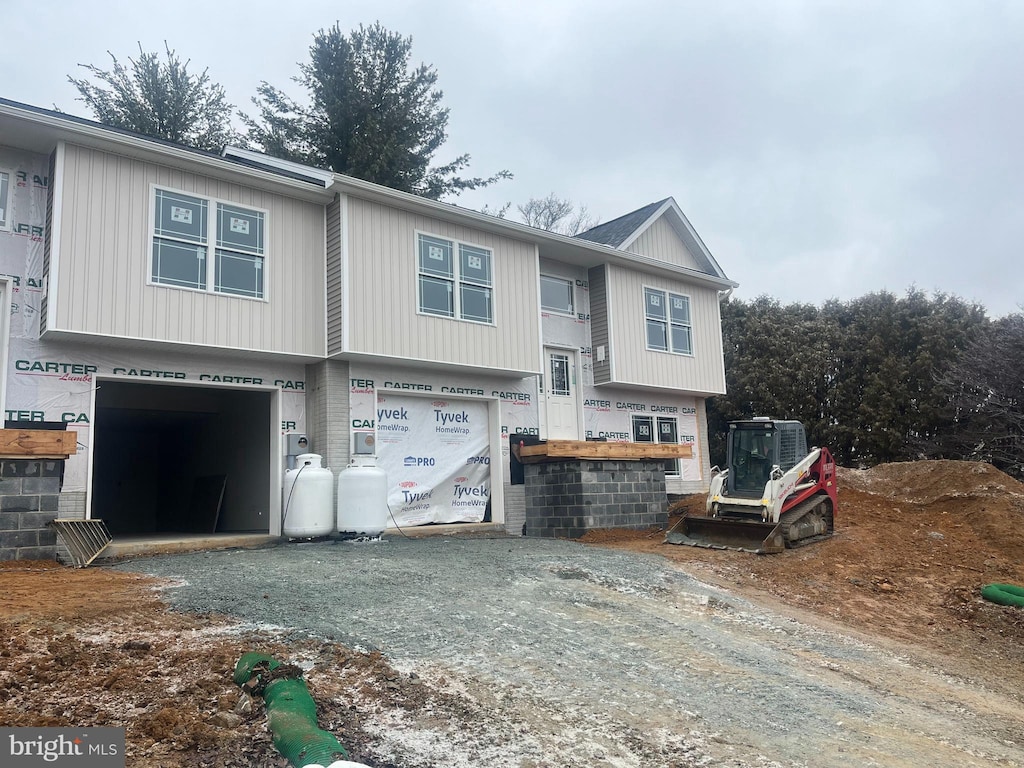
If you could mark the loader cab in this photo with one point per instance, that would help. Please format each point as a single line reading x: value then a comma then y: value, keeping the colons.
x: 758, y: 445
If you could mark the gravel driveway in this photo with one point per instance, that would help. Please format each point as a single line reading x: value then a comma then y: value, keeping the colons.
x: 582, y: 656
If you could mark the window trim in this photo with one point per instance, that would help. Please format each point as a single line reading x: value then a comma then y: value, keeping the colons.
x: 457, y: 280
x: 8, y: 225
x: 572, y: 295
x: 667, y: 295
x: 210, y: 243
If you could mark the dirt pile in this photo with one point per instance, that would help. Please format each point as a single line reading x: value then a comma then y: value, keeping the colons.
x: 914, y: 544
x: 928, y: 482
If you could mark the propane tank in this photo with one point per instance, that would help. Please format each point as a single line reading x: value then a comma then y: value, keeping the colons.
x: 308, y: 498
x: 363, y: 498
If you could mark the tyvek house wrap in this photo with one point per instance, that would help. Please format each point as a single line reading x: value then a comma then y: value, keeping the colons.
x: 433, y: 432
x: 56, y: 381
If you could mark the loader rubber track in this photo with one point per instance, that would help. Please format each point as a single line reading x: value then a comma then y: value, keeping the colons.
x: 786, y: 520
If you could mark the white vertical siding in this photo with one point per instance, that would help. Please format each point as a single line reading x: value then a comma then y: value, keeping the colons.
x: 382, y: 294
x: 105, y: 253
x: 660, y: 241
x: 702, y: 372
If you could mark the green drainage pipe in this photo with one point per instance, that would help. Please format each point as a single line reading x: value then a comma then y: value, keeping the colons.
x: 1004, y: 594
x: 291, y: 712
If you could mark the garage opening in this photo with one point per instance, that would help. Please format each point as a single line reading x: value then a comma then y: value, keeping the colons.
x: 181, y: 459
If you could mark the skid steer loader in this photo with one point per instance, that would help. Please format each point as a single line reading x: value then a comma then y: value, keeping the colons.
x: 773, y: 493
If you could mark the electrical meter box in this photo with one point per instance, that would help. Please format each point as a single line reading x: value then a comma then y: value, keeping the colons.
x: 364, y: 444
x: 295, y: 444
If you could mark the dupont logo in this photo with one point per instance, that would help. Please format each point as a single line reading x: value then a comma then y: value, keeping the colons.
x: 440, y: 403
x: 407, y: 484
x: 419, y: 461
x: 461, y: 479
x: 82, y: 747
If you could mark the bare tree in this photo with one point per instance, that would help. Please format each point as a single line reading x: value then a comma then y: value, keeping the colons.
x: 556, y: 214
x: 499, y: 212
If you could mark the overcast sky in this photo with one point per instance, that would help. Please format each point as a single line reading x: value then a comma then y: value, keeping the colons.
x: 821, y: 149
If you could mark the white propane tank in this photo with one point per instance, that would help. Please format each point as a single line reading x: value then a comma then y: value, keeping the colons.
x: 308, y: 498
x: 363, y: 499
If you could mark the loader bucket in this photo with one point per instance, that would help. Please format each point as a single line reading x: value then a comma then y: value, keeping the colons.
x: 724, y: 533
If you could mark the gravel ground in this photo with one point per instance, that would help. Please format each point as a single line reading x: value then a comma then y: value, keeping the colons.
x: 582, y: 656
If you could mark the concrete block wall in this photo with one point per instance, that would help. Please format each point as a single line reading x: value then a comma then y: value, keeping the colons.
x: 568, y: 498
x: 29, y: 499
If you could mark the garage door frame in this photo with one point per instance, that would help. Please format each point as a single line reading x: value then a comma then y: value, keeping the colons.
x: 275, y: 481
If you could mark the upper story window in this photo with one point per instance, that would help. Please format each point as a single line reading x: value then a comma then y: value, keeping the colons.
x: 668, y: 321
x: 5, y: 200
x: 556, y: 295
x: 454, y: 279
x: 208, y: 245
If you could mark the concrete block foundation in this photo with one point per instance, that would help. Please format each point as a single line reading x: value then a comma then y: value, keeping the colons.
x: 29, y: 497
x: 565, y: 499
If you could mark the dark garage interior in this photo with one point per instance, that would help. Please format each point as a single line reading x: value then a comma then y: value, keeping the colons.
x: 181, y: 459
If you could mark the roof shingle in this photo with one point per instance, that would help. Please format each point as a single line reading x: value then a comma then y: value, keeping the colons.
x: 617, y: 231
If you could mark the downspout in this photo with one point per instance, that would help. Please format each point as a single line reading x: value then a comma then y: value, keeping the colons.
x: 291, y: 713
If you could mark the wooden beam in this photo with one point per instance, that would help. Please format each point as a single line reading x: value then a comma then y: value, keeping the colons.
x: 38, y: 443
x: 555, y: 450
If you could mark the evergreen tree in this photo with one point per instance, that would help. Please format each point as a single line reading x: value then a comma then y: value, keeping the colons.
x: 370, y: 114
x: 863, y: 375
x: 160, y: 99
x: 986, y: 396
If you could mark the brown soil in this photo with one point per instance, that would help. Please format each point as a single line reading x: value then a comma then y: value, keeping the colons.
x: 914, y: 544
x: 98, y: 647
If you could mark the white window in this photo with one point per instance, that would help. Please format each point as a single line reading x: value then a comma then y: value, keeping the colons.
x: 5, y: 200
x: 556, y: 295
x: 667, y: 317
x: 208, y: 245
x: 647, y: 429
x: 454, y: 279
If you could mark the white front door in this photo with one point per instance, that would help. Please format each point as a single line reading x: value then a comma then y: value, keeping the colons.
x: 560, y: 394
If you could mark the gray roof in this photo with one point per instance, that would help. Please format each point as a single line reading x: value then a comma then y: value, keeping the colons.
x: 294, y: 174
x: 617, y: 231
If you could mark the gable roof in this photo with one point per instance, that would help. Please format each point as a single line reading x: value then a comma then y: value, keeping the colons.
x: 622, y: 232
x: 617, y: 231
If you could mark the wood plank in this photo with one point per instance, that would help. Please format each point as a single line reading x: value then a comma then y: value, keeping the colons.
x: 554, y: 450
x: 49, y: 443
